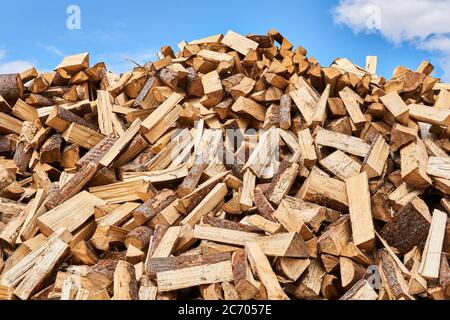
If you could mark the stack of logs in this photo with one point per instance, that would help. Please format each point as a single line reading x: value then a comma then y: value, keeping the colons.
x: 236, y: 168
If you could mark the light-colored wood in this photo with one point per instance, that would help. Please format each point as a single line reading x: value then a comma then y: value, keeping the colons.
x: 341, y: 165
x: 352, y: 145
x: 239, y: 43
x: 429, y: 115
x: 396, y: 106
x: 360, y: 211
x: 414, y: 159
x: 439, y: 167
x: 121, y: 191
x: 371, y: 64
x: 431, y: 256
x: 261, y: 264
x: 82, y: 136
x: 249, y: 107
x: 305, y: 102
x: 71, y: 214
x: 74, y: 63
x: 159, y: 114
x: 167, y: 243
x: 376, y: 159
x: 307, y: 150
x: 353, y: 107
x: 120, y: 144
x: 194, y: 276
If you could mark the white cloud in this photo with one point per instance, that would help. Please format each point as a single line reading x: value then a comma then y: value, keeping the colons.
x: 423, y: 23
x: 51, y: 48
x: 120, y: 61
x: 14, y: 66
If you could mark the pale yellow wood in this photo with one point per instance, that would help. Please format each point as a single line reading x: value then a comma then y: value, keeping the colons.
x: 239, y: 43
x: 260, y: 263
x: 360, y: 211
x: 439, y: 167
x: 396, y: 106
x: 348, y: 144
x: 431, y: 256
x: 341, y: 165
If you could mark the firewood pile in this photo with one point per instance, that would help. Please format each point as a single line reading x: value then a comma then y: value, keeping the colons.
x: 237, y: 168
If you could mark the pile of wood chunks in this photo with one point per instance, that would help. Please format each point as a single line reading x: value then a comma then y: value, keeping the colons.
x: 237, y: 168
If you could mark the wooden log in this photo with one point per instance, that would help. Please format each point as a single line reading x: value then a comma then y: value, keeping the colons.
x: 396, y: 107
x: 414, y: 159
x: 439, y: 167
x: 11, y: 86
x: 245, y: 284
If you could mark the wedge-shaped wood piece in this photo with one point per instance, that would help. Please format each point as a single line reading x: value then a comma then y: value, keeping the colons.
x: 105, y: 113
x: 250, y: 108
x: 153, y: 206
x: 75, y: 63
x: 403, y: 195
x: 350, y: 272
x: 341, y: 165
x: 392, y: 278
x: 160, y: 112
x: 71, y: 188
x: 320, y: 113
x: 310, y: 285
x: 167, y: 243
x: 245, y: 284
x: 352, y: 145
x: 71, y: 215
x: 42, y: 269
x: 376, y: 159
x: 291, y: 220
x: 284, y: 245
x: 263, y: 153
x: 82, y: 136
x: 247, y: 197
x: 262, y: 223
x: 429, y: 115
x: 125, y: 283
x: 353, y: 107
x: 360, y: 211
x: 431, y: 256
x: 306, y: 103
x: 120, y: 144
x: 325, y: 191
x: 282, y: 181
x: 10, y: 124
x: 396, y: 106
x: 212, y: 87
x: 408, y: 228
x: 414, y: 159
x: 362, y: 290
x: 401, y: 135
x: 60, y: 119
x: 239, y: 43
x: 260, y: 263
x: 307, y: 150
x: 194, y: 276
x: 439, y: 167
x: 120, y: 192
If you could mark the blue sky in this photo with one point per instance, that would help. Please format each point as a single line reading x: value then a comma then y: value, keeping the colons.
x: 35, y: 32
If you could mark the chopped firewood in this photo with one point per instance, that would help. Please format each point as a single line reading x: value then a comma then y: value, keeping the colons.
x: 71, y: 214
x: 376, y: 159
x: 431, y: 257
x: 342, y: 142
x: 409, y: 227
x: 394, y: 103
x: 362, y: 290
x: 360, y: 211
x: 192, y: 176
x: 265, y: 272
x: 414, y: 159
x: 341, y: 165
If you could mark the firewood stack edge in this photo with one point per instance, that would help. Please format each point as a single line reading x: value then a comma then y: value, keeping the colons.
x: 237, y: 168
